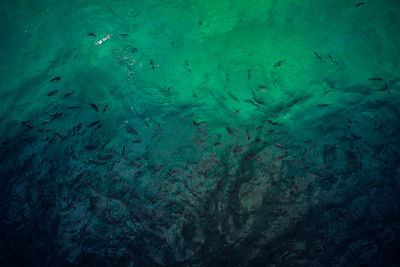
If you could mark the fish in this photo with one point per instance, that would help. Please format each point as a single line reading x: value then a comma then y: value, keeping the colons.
x: 279, y: 146
x: 123, y: 150
x: 60, y: 136
x: 323, y: 105
x: 157, y: 131
x: 360, y: 4
x: 248, y: 74
x: 6, y: 142
x: 55, y: 79
x: 90, y: 147
x: 131, y: 130
x: 94, y: 107
x: 68, y: 94
x: 385, y: 88
x: 73, y: 107
x: 330, y: 57
x: 51, y: 93
x: 258, y: 140
x: 233, y: 97
x: 123, y: 34
x: 56, y: 116
x: 229, y: 130
x: 236, y: 112
x: 252, y: 102
x: 318, y: 56
x: 280, y: 157
x: 217, y: 143
x: 152, y: 64
x: 273, y: 123
x: 198, y: 123
x: 279, y: 63
x: 92, y: 124
x: 259, y: 101
x: 248, y: 135
x: 91, y: 34
x: 147, y: 123
x: 105, y: 157
x: 158, y: 168
x: 76, y: 128
x: 375, y: 79
x: 104, y: 109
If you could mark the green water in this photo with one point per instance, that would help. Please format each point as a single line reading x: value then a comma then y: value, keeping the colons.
x: 199, y: 133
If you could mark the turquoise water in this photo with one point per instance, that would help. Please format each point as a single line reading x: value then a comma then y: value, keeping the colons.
x: 199, y: 133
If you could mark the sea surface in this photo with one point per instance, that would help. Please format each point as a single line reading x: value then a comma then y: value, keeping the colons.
x: 199, y: 133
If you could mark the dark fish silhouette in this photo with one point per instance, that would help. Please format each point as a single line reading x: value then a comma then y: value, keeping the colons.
x: 68, y: 94
x: 152, y: 64
x: 375, y: 79
x: 236, y: 112
x: 273, y: 123
x: 198, y: 123
x: 280, y: 157
x: 279, y: 63
x: 51, y: 93
x: 233, y: 97
x: 330, y: 57
x: 217, y: 143
x: 158, y: 168
x: 6, y: 142
x: 105, y: 157
x: 60, y: 136
x: 90, y: 147
x: 104, y: 109
x: 157, y: 131
x: 252, y: 102
x: 123, y: 34
x: 279, y: 146
x: 73, y: 107
x: 123, y: 150
x: 94, y: 107
x: 318, y: 56
x: 360, y: 4
x: 76, y: 129
x: 131, y: 130
x: 56, y: 116
x: 92, y: 124
x: 323, y: 105
x: 91, y: 34
x: 55, y: 79
x: 229, y: 130
x: 248, y: 135
x: 259, y: 101
x: 248, y: 74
